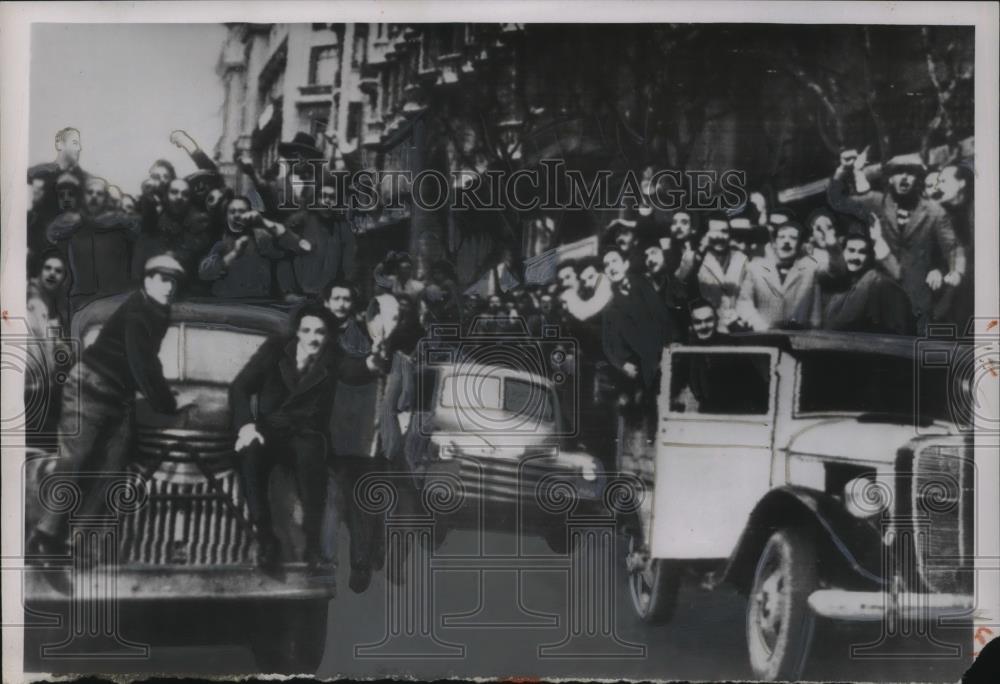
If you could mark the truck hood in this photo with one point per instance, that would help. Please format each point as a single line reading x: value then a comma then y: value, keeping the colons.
x: 866, y: 439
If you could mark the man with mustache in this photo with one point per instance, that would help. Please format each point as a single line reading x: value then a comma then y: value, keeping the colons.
x: 722, y: 272
x: 869, y: 300
x: 294, y: 378
x: 782, y: 289
x: 239, y: 265
x: 918, y: 231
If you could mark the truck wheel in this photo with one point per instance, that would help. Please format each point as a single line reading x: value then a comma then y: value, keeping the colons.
x: 653, y: 584
x: 779, y: 622
x: 289, y: 637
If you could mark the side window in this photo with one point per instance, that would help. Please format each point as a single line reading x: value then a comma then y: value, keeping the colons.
x: 721, y: 383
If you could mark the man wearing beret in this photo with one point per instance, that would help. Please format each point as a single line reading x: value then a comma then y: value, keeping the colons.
x: 98, y: 402
x: 918, y: 231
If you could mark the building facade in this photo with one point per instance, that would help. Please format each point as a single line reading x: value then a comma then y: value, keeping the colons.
x: 464, y: 99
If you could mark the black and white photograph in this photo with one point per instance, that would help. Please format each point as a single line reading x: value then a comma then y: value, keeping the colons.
x: 526, y: 341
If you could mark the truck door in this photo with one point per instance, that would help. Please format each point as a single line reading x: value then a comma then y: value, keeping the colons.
x: 713, y: 447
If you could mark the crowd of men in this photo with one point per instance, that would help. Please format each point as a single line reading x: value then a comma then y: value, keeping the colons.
x: 883, y: 261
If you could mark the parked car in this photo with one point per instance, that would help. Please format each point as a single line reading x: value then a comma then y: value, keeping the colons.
x: 823, y: 474
x: 494, y: 433
x: 190, y: 542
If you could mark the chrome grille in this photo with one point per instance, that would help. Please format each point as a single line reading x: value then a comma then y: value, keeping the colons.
x: 942, y: 500
x: 186, y: 521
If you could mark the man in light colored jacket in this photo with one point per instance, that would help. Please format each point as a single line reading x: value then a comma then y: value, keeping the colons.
x: 782, y: 289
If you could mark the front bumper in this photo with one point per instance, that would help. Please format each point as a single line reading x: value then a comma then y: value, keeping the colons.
x: 132, y: 583
x: 864, y: 606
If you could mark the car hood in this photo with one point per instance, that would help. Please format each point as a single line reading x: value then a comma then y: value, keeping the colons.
x: 867, y: 439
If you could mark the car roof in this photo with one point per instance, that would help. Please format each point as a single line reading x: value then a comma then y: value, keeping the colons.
x: 490, y: 370
x: 896, y: 346
x: 264, y: 315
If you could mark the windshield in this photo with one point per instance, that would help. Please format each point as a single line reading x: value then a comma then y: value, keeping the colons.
x: 875, y: 384
x: 526, y: 399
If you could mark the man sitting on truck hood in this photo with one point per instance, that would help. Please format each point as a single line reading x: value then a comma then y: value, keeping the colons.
x: 295, y: 379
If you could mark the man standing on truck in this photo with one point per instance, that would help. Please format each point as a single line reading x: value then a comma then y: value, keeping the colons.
x: 97, y: 408
x: 294, y: 379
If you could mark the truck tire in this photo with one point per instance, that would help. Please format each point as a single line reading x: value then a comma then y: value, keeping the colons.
x: 289, y: 637
x: 780, y: 624
x: 653, y: 584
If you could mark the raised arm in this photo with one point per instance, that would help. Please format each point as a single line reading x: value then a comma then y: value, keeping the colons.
x: 184, y: 141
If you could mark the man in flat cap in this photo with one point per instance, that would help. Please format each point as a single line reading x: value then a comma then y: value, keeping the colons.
x: 98, y: 401
x: 918, y: 231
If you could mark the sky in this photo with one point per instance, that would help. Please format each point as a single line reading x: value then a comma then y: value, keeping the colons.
x: 125, y: 87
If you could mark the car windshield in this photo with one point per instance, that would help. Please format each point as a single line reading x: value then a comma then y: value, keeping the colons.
x: 876, y: 384
x: 516, y: 396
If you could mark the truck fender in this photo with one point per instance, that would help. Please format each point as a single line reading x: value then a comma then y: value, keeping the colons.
x: 847, y: 547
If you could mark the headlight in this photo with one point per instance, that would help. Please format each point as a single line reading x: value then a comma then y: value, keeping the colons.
x: 865, y: 497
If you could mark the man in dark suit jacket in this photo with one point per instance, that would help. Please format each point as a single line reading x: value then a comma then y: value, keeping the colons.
x: 637, y: 324
x: 294, y: 379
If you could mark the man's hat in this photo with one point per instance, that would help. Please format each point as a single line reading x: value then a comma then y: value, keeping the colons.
x: 780, y: 216
x: 164, y: 264
x: 67, y: 180
x: 301, y: 146
x: 906, y: 162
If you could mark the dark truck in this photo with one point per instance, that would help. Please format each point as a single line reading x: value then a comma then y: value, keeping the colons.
x: 180, y: 534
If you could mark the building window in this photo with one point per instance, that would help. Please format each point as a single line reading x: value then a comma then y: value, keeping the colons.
x: 354, y: 112
x: 318, y: 130
x: 324, y: 65
x: 360, y: 53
